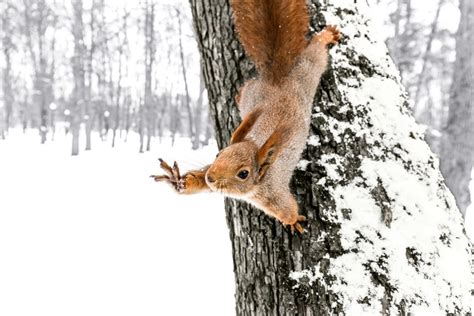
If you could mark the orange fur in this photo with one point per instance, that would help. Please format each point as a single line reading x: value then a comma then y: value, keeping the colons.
x: 272, y: 33
x: 270, y: 151
x: 195, y: 181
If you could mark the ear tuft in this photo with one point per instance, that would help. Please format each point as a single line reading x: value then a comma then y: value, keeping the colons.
x: 272, y: 148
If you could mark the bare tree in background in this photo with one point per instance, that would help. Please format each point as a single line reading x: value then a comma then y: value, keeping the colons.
x: 428, y: 46
x: 401, y: 45
x: 89, y: 112
x: 122, y: 53
x: 7, y: 47
x: 187, y: 100
x: 38, y: 18
x: 426, y: 56
x: 101, y: 70
x: 457, y: 153
x: 79, y: 75
x: 45, y: 83
x: 150, y: 49
x: 196, y: 140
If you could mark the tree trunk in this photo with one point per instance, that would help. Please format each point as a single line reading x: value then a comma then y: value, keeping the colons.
x: 141, y: 128
x: 79, y: 76
x: 117, y: 99
x: 426, y: 57
x: 196, y: 140
x: 127, y: 117
x: 7, y: 76
x: 37, y: 22
x: 185, y: 80
x: 150, y: 50
x: 458, y: 148
x: 90, y: 116
x: 383, y: 235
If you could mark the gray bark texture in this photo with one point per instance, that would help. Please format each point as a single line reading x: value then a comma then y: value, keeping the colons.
x: 457, y: 155
x: 383, y: 235
x: 150, y: 49
x: 38, y: 19
x: 79, y: 75
x: 7, y: 47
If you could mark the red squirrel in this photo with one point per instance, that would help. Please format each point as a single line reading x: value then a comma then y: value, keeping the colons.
x: 276, y: 108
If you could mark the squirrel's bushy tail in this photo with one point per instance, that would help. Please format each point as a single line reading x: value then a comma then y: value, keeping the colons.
x: 272, y: 33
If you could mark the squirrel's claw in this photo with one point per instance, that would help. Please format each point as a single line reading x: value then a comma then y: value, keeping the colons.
x: 176, y: 171
x: 336, y: 35
x: 181, y: 185
x: 296, y: 225
x: 158, y: 178
x: 168, y: 170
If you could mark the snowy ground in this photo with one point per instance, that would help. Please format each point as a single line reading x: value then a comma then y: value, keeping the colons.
x: 93, y: 235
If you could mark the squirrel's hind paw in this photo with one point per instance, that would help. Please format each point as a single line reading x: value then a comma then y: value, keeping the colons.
x: 330, y: 35
x: 296, y: 225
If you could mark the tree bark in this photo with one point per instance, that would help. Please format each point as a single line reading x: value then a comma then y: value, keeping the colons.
x: 150, y: 50
x: 79, y: 76
x: 7, y: 46
x: 426, y: 56
x: 384, y: 235
x: 187, y: 101
x: 89, y: 111
x: 457, y: 146
x: 37, y: 22
x: 198, y: 114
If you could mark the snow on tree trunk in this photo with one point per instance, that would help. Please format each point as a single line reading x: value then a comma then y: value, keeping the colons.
x: 384, y: 235
x: 457, y: 154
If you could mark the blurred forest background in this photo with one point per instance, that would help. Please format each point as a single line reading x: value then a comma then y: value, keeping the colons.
x: 98, y: 70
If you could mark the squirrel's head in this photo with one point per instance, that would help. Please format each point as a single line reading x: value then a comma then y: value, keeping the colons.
x: 242, y: 165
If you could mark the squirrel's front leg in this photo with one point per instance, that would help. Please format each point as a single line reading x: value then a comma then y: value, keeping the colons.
x: 193, y: 181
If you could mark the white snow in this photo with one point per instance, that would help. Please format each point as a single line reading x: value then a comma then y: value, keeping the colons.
x: 94, y: 235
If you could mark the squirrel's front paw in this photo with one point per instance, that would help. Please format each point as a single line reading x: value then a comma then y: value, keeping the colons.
x: 172, y: 176
x: 188, y: 183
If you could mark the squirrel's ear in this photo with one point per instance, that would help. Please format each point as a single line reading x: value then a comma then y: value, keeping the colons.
x: 270, y: 151
x: 245, y: 127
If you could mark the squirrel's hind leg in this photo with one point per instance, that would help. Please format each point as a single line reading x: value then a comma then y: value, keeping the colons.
x: 329, y: 35
x: 285, y: 209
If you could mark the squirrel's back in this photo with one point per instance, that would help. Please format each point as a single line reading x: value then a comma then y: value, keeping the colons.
x: 273, y: 33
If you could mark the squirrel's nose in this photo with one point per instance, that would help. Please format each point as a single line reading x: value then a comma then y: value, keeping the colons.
x: 210, y: 179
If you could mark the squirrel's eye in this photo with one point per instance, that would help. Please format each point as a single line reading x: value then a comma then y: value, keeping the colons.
x: 243, y: 174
